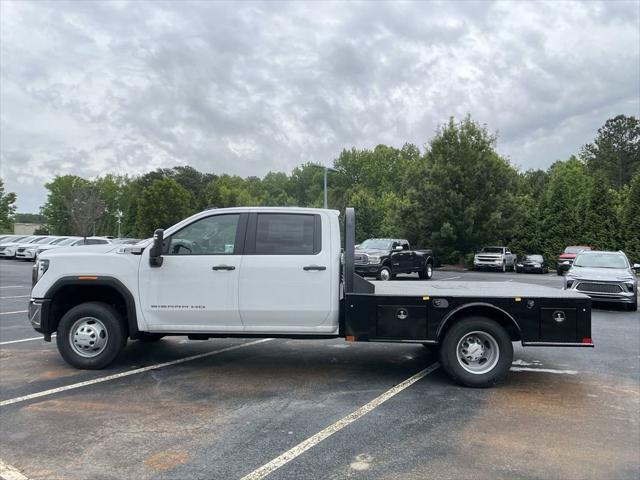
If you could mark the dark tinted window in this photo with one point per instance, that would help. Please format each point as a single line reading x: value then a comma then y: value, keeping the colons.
x: 286, y: 234
x: 215, y: 235
x: 96, y: 241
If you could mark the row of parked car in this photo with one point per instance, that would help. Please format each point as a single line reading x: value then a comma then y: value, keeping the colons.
x: 604, y: 276
x: 28, y: 247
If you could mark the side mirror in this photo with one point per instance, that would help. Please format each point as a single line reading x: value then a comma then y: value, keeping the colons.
x: 636, y: 266
x: 397, y: 248
x: 566, y: 262
x: 155, y: 252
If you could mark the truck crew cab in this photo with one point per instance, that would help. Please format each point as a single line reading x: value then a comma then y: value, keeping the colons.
x: 384, y: 258
x: 277, y: 272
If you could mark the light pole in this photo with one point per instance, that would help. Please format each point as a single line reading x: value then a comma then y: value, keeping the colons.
x: 326, y: 170
x: 119, y: 217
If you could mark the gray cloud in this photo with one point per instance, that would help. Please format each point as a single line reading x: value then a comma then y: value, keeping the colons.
x: 95, y: 87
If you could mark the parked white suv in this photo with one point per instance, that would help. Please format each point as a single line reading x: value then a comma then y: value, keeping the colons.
x: 496, y: 258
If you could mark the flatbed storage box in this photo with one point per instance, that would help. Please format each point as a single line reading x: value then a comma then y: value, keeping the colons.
x: 418, y: 312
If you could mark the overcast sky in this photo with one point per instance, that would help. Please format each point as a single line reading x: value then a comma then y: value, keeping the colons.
x: 90, y: 88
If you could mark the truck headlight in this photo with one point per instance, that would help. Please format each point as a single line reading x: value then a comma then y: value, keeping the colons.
x: 536, y: 265
x: 373, y: 259
x: 629, y: 286
x: 39, y: 269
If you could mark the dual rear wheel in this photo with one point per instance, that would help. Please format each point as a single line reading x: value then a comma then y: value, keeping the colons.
x: 476, y: 352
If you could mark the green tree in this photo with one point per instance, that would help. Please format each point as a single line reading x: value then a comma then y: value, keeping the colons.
x: 7, y: 209
x: 600, y: 227
x: 62, y: 191
x: 162, y: 204
x: 563, y: 207
x: 630, y: 224
x: 616, y: 150
x: 460, y: 193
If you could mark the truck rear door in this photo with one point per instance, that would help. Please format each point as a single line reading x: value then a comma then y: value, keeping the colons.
x: 285, y: 273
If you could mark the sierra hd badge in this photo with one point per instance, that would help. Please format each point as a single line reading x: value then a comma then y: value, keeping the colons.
x: 558, y: 316
x: 402, y: 314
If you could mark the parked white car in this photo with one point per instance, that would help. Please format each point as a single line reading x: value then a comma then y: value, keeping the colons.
x: 8, y: 250
x: 29, y: 252
x: 73, y: 242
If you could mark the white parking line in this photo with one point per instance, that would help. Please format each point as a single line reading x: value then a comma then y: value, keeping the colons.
x: 24, y: 340
x: 310, y: 442
x: 126, y: 374
x: 11, y: 313
x: 7, y: 472
x: 544, y: 370
x: 15, y: 296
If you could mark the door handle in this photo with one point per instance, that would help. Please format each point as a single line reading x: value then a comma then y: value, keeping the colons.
x: 314, y: 267
x: 223, y: 267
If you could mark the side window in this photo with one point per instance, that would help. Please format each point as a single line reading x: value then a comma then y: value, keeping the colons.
x: 96, y: 241
x: 215, y: 235
x: 287, y: 234
x: 405, y: 245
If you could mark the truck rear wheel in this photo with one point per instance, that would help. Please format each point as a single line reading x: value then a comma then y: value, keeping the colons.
x: 427, y: 272
x: 91, y: 335
x: 476, y: 352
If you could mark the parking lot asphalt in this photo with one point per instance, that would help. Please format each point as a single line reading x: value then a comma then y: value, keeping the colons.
x: 225, y: 408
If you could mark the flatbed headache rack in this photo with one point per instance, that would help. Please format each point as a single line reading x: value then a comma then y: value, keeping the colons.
x: 419, y: 313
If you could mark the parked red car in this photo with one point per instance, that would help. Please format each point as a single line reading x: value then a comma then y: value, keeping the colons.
x: 565, y: 260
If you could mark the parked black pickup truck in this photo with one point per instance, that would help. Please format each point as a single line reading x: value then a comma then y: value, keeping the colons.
x: 383, y: 258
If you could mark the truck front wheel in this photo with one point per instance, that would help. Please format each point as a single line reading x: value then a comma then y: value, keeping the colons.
x: 91, y: 335
x: 476, y: 352
x: 384, y: 273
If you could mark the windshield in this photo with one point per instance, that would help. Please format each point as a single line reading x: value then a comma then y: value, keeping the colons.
x: 43, y: 240
x: 533, y: 258
x: 375, y: 244
x: 35, y: 240
x: 66, y: 241
x: 491, y: 250
x: 15, y: 239
x: 601, y: 260
x: 575, y: 249
x: 58, y: 241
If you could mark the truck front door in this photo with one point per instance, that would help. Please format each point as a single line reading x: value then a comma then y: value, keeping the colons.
x: 196, y: 287
x: 286, y: 273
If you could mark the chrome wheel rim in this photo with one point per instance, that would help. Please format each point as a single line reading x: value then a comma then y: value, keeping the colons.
x: 478, y: 352
x: 385, y: 274
x: 429, y: 270
x: 88, y: 337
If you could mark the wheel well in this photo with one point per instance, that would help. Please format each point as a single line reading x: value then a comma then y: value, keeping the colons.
x: 68, y: 296
x: 487, y: 311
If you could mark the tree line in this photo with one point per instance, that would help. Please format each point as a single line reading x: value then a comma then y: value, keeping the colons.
x: 455, y: 196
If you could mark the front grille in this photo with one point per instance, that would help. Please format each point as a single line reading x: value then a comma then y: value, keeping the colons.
x: 2, y: 248
x: 20, y: 250
x: 599, y: 287
x: 488, y: 259
x: 360, y: 258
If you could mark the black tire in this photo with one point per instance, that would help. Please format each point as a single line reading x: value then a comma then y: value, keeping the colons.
x: 504, y: 267
x: 633, y: 307
x: 453, y: 366
x: 427, y: 272
x: 147, y: 337
x: 116, y: 336
x: 382, y: 276
x: 559, y: 272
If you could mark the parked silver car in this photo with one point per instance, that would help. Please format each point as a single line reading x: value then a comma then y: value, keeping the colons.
x: 605, y: 277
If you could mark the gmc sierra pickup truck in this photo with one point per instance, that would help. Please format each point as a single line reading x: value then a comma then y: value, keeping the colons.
x: 384, y: 258
x: 277, y: 272
x: 497, y: 258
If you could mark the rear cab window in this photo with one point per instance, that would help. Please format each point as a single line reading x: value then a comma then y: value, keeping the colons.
x: 285, y: 234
